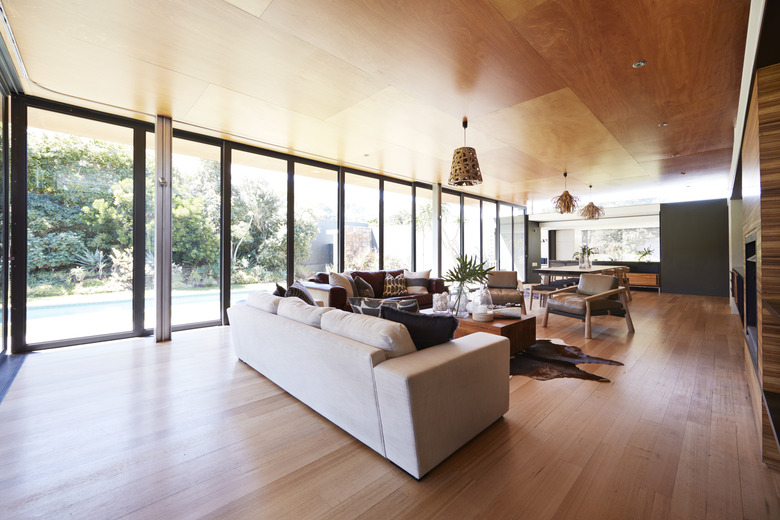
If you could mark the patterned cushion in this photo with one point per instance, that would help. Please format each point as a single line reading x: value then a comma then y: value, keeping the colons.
x: 364, y: 288
x: 299, y: 291
x: 343, y: 280
x: 426, y: 330
x: 394, y: 286
x: 371, y: 306
x: 417, y: 282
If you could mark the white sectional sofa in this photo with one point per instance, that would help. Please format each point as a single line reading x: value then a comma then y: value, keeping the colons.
x: 365, y: 375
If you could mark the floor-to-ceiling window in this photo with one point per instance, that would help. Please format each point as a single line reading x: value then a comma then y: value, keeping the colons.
x: 518, y: 241
x: 504, y: 237
x: 489, y: 233
x: 450, y: 230
x: 80, y: 196
x: 426, y: 257
x: 195, y: 271
x: 258, y: 228
x: 316, y: 220
x: 398, y: 226
x: 361, y: 222
x: 471, y: 228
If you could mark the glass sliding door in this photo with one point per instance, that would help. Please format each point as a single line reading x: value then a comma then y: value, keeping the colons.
x: 258, y: 228
x: 398, y: 226
x: 426, y: 257
x: 471, y: 228
x: 505, y: 237
x: 450, y: 230
x: 79, y: 228
x: 195, y: 275
x: 316, y: 222
x: 489, y: 233
x: 361, y: 223
x: 518, y: 241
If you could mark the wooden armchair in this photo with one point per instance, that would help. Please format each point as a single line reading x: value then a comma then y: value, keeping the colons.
x: 504, y: 288
x: 596, y: 295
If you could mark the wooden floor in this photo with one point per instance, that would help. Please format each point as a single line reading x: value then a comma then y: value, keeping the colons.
x: 131, y: 429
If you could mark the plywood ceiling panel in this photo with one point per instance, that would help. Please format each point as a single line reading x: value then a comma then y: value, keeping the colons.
x: 547, y: 85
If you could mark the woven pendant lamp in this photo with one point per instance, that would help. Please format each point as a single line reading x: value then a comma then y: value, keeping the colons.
x: 591, y: 211
x: 565, y: 202
x: 465, y: 166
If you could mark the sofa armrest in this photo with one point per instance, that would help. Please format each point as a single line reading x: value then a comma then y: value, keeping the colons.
x: 331, y: 295
x: 436, y: 285
x: 434, y: 401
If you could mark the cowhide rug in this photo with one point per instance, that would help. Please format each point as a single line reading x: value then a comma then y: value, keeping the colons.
x: 546, y: 360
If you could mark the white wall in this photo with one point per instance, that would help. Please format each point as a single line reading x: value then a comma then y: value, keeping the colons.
x: 565, y: 245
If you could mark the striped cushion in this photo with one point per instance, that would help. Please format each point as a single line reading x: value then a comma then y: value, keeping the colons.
x: 417, y: 282
x: 371, y: 305
x: 394, y: 286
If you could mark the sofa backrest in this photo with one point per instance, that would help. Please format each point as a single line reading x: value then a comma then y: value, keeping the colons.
x: 300, y: 311
x: 264, y: 301
x: 387, y: 335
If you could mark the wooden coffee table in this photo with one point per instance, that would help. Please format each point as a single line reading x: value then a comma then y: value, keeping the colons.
x: 520, y: 331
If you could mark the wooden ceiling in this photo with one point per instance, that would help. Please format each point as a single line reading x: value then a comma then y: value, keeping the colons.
x: 548, y: 85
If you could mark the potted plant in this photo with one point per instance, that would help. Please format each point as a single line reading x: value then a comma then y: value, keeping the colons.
x: 645, y: 254
x: 467, y: 269
x: 583, y: 255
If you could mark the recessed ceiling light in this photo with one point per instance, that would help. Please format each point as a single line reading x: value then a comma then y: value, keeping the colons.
x: 638, y: 64
x: 663, y: 124
x: 675, y: 155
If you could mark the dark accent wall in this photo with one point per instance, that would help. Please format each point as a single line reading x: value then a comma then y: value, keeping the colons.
x: 534, y: 252
x: 695, y: 248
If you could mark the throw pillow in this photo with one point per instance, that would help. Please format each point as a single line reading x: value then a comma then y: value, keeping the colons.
x: 279, y: 291
x: 297, y: 290
x: 417, y: 282
x: 343, y: 280
x: 371, y: 306
x: 394, y: 286
x: 426, y: 330
x: 364, y: 288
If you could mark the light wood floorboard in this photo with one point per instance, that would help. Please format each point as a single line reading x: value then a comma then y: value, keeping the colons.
x: 137, y: 430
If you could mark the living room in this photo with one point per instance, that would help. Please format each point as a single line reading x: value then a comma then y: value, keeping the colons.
x: 347, y: 139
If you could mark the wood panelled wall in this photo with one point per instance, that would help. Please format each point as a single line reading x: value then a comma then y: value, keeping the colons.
x: 761, y: 214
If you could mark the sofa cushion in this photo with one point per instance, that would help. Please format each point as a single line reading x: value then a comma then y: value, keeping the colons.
x: 376, y: 279
x: 371, y: 306
x: 300, y: 311
x: 297, y: 290
x: 417, y: 282
x: 343, y: 280
x: 279, y: 291
x: 264, y: 301
x: 426, y: 330
x: 389, y: 336
x: 364, y: 288
x: 394, y: 286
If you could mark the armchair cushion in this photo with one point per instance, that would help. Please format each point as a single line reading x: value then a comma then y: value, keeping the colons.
x: 591, y: 284
x: 502, y: 279
x: 570, y: 303
x: 504, y: 296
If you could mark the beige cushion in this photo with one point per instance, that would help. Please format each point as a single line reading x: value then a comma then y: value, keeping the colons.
x: 504, y: 296
x: 300, y: 311
x: 417, y: 282
x: 575, y: 304
x: 391, y: 337
x: 264, y: 301
x: 345, y: 281
x: 504, y: 279
x: 591, y: 284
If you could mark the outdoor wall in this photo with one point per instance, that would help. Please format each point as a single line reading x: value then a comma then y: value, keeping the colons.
x: 695, y: 248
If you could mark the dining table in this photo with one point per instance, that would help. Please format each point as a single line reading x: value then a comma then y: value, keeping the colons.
x: 572, y: 270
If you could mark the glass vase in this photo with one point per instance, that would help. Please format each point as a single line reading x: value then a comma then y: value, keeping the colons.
x: 459, y: 300
x: 482, y: 305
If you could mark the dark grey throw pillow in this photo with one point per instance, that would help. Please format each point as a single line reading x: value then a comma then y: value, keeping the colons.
x: 299, y: 291
x: 279, y: 291
x: 371, y: 306
x: 426, y: 330
x: 364, y: 288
